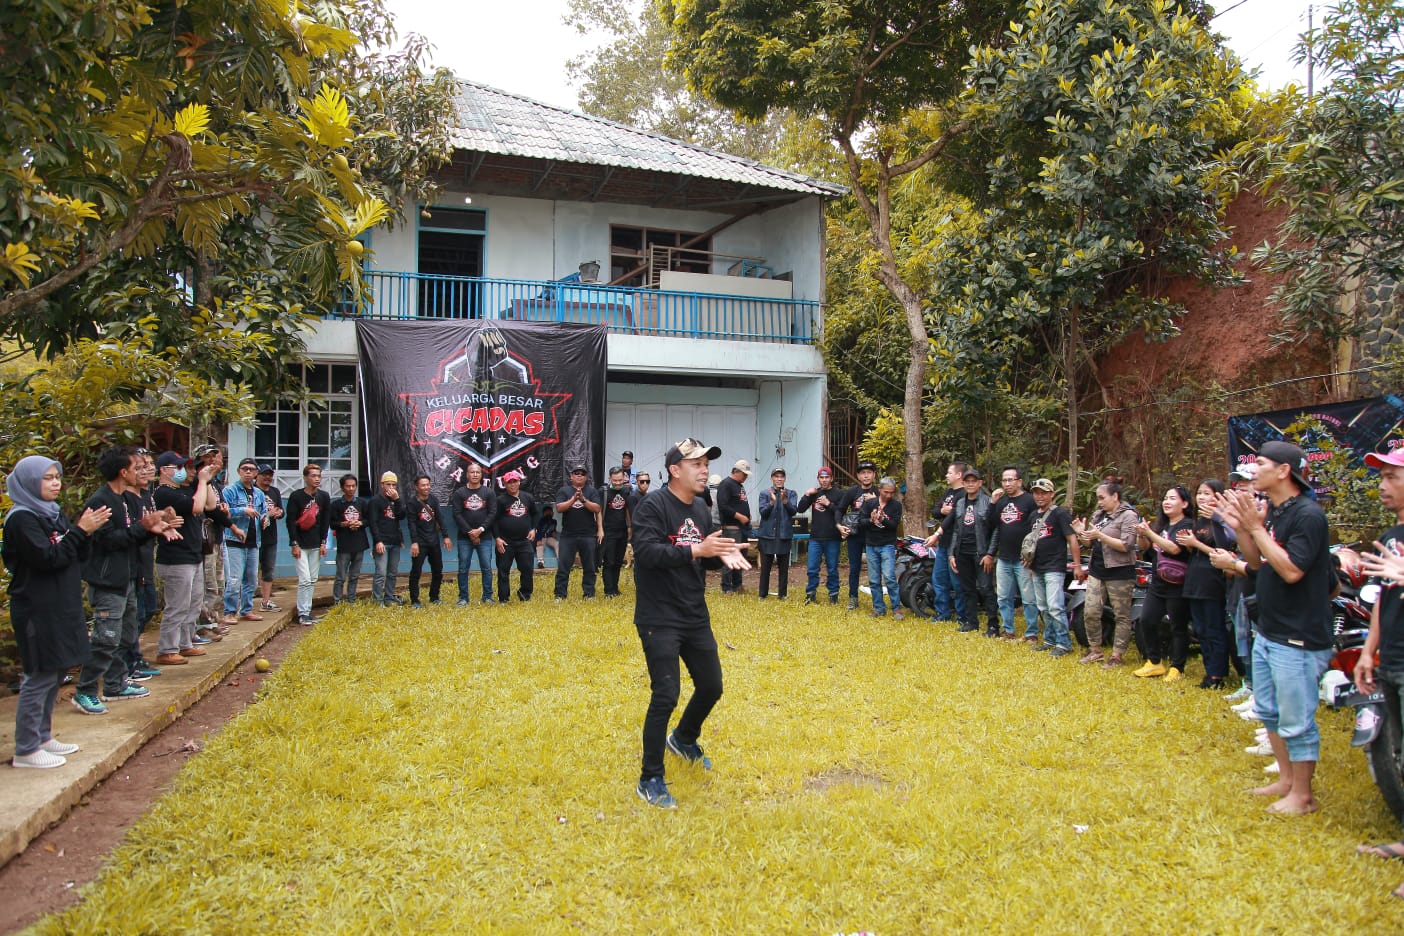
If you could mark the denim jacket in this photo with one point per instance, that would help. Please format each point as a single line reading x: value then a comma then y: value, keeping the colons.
x: 237, y: 498
x: 777, y: 517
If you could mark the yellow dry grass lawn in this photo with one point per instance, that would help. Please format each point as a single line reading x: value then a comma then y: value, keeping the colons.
x: 449, y: 772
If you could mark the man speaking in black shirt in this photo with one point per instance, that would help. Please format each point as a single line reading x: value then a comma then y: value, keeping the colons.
x: 673, y: 530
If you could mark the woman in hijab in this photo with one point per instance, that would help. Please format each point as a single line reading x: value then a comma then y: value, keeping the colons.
x: 43, y: 552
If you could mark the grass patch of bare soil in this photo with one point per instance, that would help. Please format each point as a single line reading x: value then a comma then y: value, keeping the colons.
x: 453, y: 770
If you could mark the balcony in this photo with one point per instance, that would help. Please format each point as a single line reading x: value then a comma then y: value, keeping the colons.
x: 625, y: 310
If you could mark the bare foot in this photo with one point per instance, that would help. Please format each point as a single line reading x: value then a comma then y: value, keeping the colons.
x: 1394, y: 852
x: 1292, y: 806
x: 1280, y: 789
x: 1399, y: 892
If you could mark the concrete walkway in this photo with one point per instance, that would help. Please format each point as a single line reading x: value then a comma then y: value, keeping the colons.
x: 32, y: 800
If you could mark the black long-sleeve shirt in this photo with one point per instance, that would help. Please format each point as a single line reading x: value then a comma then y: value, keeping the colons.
x: 731, y: 500
x: 343, y: 512
x: 426, y: 521
x: 386, y: 515
x: 669, y: 582
x: 114, y: 560
x: 883, y: 531
x: 314, y: 536
x: 823, y: 514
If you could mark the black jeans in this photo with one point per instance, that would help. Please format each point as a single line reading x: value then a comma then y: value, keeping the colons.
x: 524, y: 554
x: 114, y: 632
x: 663, y: 646
x: 613, y: 559
x: 568, y: 544
x: 434, y: 552
x: 1152, y: 638
x: 1212, y: 628
x: 978, y: 587
x: 730, y: 579
x: 782, y: 561
x: 857, y: 547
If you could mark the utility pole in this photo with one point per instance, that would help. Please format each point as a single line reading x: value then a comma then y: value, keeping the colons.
x: 1311, y: 53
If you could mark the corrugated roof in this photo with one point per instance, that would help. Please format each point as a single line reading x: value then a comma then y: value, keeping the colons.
x: 493, y: 121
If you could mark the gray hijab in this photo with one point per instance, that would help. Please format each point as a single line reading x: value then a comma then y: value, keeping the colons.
x: 24, y: 486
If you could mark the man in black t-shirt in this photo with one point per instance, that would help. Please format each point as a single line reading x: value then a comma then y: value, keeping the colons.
x: 349, y: 513
x: 429, y: 537
x: 268, y: 543
x: 735, y: 512
x: 1011, y: 518
x: 514, y: 535
x: 949, y: 596
x: 1286, y: 540
x: 616, y: 529
x: 855, y: 502
x: 1056, y: 540
x: 822, y: 502
x: 1387, y: 617
x: 673, y: 532
x: 181, y: 563
x: 578, y: 507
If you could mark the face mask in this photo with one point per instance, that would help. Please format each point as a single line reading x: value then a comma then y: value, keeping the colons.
x: 179, y: 476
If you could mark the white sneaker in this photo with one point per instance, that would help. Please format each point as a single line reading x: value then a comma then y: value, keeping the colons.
x: 1272, y: 768
x: 1243, y: 706
x: 1249, y: 716
x: 1263, y: 749
x: 40, y: 758
x: 55, y: 746
x: 1238, y: 695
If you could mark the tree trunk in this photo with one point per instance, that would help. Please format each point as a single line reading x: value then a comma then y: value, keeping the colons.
x: 1070, y: 375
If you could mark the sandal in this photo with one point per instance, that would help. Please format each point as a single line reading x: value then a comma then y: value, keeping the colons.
x: 1093, y: 656
x: 1391, y: 851
x: 1113, y: 661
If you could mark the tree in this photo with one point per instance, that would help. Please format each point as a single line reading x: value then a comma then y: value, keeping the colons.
x: 1091, y: 132
x: 880, y: 76
x: 1337, y: 166
x: 132, y: 130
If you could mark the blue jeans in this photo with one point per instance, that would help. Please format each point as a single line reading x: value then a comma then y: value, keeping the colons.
x: 387, y: 566
x: 487, y: 561
x: 240, y: 579
x: 882, y: 569
x: 1011, y: 576
x: 1285, y: 694
x: 828, y: 551
x: 1052, y: 602
x: 946, y: 585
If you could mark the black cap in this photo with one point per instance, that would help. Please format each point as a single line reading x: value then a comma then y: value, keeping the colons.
x: 248, y: 461
x: 169, y: 460
x: 265, y: 469
x: 869, y: 466
x: 1285, y: 453
x: 971, y: 473
x: 579, y: 469
x: 626, y: 452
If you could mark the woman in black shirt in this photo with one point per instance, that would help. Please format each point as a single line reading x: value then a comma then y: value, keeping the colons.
x: 1205, y: 586
x: 1165, y: 595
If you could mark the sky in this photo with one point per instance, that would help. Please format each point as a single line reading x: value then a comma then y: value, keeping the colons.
x: 522, y: 46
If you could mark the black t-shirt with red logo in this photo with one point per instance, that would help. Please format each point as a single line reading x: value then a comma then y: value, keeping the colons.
x: 344, y: 512
x: 823, y: 514
x: 1012, y: 517
x: 474, y: 508
x: 578, y: 520
x: 669, y: 582
x: 516, y: 516
x: 386, y: 515
x: 1051, y: 551
x: 616, y: 510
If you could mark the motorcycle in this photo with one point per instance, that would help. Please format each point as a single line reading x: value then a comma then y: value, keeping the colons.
x: 914, y: 564
x: 1377, y: 720
x: 1076, y: 597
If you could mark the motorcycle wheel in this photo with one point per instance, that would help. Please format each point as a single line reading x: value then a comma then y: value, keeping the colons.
x: 1079, y: 627
x: 1079, y: 632
x: 906, y: 585
x: 923, y: 600
x: 1384, y: 754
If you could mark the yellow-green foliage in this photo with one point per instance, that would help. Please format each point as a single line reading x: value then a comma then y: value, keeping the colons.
x: 451, y: 771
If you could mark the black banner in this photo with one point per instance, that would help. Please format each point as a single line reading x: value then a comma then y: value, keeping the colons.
x: 437, y: 395
x: 1360, y: 425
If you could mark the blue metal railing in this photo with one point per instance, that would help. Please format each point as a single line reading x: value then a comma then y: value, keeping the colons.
x: 623, y: 309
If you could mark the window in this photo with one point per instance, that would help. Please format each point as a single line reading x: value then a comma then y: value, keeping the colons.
x: 451, y: 242
x: 324, y: 431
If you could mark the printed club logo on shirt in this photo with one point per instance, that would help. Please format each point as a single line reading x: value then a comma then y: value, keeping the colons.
x: 617, y: 502
x: 969, y: 518
x: 822, y: 504
x: 687, y: 535
x: 516, y: 509
x: 426, y: 514
x: 473, y: 501
x: 353, y: 515
x: 389, y: 512
x: 1010, y: 514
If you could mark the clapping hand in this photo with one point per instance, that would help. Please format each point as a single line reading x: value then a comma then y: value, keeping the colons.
x: 1242, y: 511
x: 1384, y: 564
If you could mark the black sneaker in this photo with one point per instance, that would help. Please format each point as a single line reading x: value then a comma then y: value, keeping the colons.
x: 833, y: 599
x: 416, y: 604
x: 692, y: 753
x: 809, y: 599
x: 967, y: 628
x: 305, y: 620
x: 1060, y: 651
x: 853, y: 603
x: 1042, y: 648
x: 462, y: 602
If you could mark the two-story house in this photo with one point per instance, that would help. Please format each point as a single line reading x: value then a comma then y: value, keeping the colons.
x: 708, y: 270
